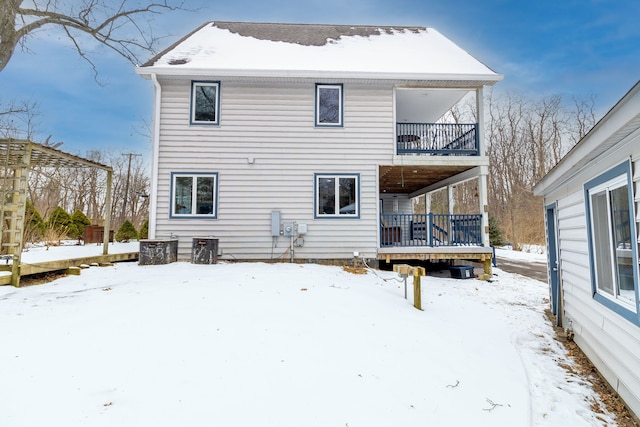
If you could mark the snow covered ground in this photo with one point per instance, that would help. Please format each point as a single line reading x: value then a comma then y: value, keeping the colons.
x: 253, y: 344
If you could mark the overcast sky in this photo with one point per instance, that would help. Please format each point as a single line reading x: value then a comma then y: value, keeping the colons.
x: 574, y: 48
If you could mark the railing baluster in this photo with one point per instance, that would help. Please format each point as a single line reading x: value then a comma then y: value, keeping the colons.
x: 430, y: 230
x: 438, y: 138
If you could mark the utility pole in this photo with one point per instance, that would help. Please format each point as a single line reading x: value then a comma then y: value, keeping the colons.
x: 126, y: 188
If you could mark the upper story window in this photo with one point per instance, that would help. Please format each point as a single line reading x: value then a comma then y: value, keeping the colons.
x: 612, y: 246
x: 337, y: 196
x: 329, y: 105
x: 194, y: 195
x: 205, y: 103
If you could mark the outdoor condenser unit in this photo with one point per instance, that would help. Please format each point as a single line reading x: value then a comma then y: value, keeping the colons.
x: 204, y: 250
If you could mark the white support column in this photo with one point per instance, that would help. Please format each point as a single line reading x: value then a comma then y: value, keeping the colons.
x: 450, y: 206
x: 483, y: 196
x: 484, y: 205
x: 481, y: 119
x: 427, y: 203
x: 427, y: 211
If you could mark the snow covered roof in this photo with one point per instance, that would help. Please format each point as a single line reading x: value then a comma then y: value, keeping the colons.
x: 310, y: 50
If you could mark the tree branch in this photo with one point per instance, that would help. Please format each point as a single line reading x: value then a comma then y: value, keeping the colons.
x: 98, y: 19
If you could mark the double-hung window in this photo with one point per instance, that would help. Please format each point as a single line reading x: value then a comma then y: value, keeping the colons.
x: 205, y: 103
x: 194, y: 195
x: 337, y: 196
x: 329, y: 105
x: 612, y: 243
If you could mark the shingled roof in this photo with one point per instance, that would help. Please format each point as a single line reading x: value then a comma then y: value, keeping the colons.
x: 306, y: 34
x: 305, y: 50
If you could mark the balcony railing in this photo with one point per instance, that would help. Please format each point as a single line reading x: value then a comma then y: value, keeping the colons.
x: 441, y: 139
x: 430, y: 230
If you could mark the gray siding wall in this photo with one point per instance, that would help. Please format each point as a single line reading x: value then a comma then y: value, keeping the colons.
x: 610, y: 341
x: 274, y: 125
x: 405, y: 205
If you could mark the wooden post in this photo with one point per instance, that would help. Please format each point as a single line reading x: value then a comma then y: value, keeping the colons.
x: 15, y: 237
x: 417, y: 291
x: 417, y: 294
x: 19, y: 201
x: 107, y: 214
x: 405, y: 270
x: 487, y: 266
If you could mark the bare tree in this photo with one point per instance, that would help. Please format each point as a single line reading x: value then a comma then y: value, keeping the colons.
x: 18, y: 119
x: 526, y: 138
x: 135, y: 207
x: 545, y: 126
x: 121, y: 25
x: 584, y: 117
x: 84, y: 189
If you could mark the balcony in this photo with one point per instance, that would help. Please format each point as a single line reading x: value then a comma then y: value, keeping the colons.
x: 437, y: 139
x: 430, y: 230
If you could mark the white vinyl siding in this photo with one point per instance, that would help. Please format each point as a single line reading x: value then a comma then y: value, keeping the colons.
x: 268, y: 141
x: 611, y: 341
x: 601, y: 333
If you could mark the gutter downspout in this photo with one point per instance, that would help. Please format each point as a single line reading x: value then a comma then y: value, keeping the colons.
x: 155, y: 153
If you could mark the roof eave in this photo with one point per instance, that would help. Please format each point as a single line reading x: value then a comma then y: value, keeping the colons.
x: 146, y: 72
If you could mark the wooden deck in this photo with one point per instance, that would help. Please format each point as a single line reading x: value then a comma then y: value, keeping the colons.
x: 63, y: 264
x: 424, y: 253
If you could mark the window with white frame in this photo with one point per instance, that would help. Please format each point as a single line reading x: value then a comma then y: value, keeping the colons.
x: 337, y: 196
x: 205, y: 103
x: 194, y: 195
x: 612, y: 247
x: 329, y: 105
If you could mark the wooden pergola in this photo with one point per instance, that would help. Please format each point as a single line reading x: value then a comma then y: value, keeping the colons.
x: 17, y: 157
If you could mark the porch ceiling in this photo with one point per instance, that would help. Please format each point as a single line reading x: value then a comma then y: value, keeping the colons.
x: 425, y: 105
x: 407, y: 179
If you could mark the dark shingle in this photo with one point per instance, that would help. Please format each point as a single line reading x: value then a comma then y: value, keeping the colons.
x: 304, y: 34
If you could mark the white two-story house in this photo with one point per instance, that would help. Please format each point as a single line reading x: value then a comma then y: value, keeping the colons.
x: 309, y: 142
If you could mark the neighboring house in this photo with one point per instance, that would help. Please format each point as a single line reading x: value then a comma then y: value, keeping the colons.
x: 592, y: 201
x: 308, y: 142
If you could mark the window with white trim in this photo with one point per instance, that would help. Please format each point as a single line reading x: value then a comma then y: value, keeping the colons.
x: 612, y: 247
x: 205, y: 103
x: 337, y: 196
x: 194, y: 195
x: 329, y: 105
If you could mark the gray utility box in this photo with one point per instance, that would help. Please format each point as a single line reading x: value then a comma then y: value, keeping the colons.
x: 204, y: 250
x: 156, y: 252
